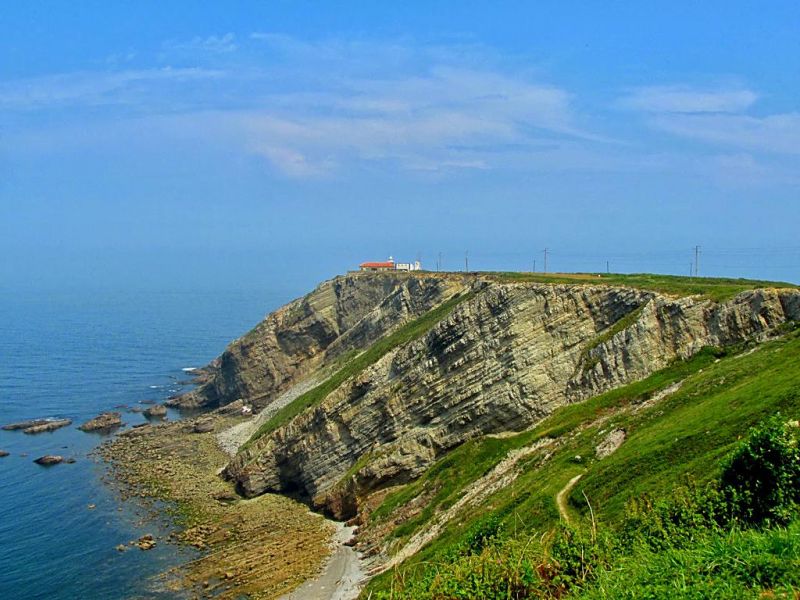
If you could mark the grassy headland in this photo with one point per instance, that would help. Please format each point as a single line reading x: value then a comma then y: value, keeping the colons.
x: 680, y: 422
x: 713, y: 288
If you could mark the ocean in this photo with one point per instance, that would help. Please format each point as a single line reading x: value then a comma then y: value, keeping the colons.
x: 74, y: 354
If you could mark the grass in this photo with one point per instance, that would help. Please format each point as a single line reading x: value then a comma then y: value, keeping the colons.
x: 470, y: 461
x: 723, y: 394
x: 407, y: 333
x: 725, y: 565
x: 713, y: 288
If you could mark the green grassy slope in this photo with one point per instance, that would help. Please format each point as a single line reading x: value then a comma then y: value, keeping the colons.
x: 714, y: 288
x: 722, y: 394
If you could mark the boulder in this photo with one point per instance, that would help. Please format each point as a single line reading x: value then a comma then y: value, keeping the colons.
x: 204, y: 426
x: 49, y: 460
x: 47, y: 426
x: 146, y: 542
x: 156, y: 412
x: 104, y: 422
x: 3, y: 453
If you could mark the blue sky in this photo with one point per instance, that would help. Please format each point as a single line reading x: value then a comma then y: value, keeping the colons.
x: 172, y: 143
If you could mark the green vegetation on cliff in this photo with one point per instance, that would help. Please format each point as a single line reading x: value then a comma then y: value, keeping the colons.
x: 713, y: 288
x: 682, y: 423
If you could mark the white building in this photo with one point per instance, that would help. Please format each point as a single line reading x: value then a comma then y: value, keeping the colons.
x: 415, y: 266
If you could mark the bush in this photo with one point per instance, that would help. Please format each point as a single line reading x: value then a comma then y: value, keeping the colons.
x: 760, y: 483
x: 576, y: 556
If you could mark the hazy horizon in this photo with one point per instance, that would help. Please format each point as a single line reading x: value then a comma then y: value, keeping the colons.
x: 253, y: 143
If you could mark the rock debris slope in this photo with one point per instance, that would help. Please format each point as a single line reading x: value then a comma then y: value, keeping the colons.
x: 502, y: 360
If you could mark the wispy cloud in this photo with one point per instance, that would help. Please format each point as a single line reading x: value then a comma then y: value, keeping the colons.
x: 92, y: 88
x: 684, y: 99
x: 212, y: 44
x: 779, y: 133
x: 323, y: 108
x: 421, y: 120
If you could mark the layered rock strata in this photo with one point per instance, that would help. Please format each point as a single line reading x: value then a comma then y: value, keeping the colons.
x: 347, y: 313
x: 501, y: 361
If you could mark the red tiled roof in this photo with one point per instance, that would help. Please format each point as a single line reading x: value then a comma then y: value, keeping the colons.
x: 376, y: 265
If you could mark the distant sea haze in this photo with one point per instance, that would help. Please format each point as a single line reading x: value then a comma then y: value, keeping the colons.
x: 74, y: 354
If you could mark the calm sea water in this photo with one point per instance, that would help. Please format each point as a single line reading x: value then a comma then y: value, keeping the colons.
x: 75, y: 354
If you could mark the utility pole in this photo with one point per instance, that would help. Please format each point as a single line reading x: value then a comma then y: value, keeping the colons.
x: 696, y: 261
x: 608, y: 268
x: 466, y: 261
x: 534, y: 265
x: 439, y: 262
x: 691, y: 269
x: 545, y: 260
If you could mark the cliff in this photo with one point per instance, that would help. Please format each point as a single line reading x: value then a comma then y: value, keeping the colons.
x: 506, y: 356
x: 344, y: 314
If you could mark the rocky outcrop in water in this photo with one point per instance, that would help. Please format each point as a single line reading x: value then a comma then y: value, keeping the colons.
x: 156, y: 411
x: 45, y: 426
x: 499, y: 362
x: 104, y: 422
x: 24, y: 424
x: 37, y: 425
x: 49, y: 460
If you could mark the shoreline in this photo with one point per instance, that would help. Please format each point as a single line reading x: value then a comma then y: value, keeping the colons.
x: 342, y: 576
x: 264, y: 547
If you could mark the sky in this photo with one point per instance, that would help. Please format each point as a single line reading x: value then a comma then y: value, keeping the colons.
x: 174, y: 144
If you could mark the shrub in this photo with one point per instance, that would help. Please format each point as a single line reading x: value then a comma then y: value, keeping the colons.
x: 761, y: 481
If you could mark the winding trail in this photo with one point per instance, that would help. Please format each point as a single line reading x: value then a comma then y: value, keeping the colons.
x: 561, y: 498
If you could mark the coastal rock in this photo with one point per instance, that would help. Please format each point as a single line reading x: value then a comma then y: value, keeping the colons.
x: 3, y: 454
x: 146, y: 542
x: 237, y: 407
x: 501, y: 361
x: 156, y: 411
x: 204, y: 426
x: 104, y: 422
x: 47, y: 426
x: 49, y: 460
x: 24, y: 424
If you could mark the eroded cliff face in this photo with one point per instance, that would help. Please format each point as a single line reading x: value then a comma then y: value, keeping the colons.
x: 501, y: 361
x: 346, y: 313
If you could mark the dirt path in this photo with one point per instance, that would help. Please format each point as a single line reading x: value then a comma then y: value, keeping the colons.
x: 341, y: 577
x: 561, y: 498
